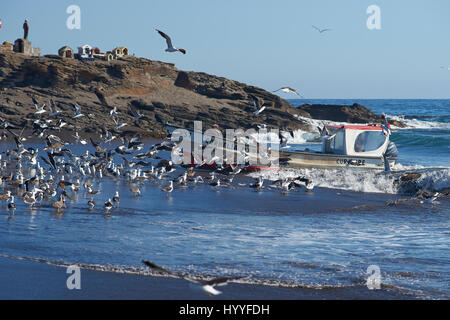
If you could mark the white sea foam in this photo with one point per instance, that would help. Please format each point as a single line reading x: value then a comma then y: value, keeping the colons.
x: 360, y: 180
x: 418, y: 124
x: 410, y: 123
x: 299, y: 137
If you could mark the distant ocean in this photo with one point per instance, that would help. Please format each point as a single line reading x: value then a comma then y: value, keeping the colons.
x: 426, y: 140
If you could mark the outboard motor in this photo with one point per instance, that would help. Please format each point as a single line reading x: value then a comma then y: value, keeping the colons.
x: 391, y: 151
x: 390, y: 154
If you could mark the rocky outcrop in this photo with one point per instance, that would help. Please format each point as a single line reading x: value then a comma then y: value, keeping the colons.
x: 156, y: 89
x: 355, y: 113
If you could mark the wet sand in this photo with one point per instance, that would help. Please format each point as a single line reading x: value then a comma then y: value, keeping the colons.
x: 30, y: 280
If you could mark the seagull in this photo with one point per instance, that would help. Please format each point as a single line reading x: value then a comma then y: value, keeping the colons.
x: 116, y: 197
x: 11, y: 204
x: 135, y: 190
x: 53, y: 109
x: 169, y: 188
x: 258, y: 184
x: 119, y: 125
x: 78, y: 113
x: 170, y: 47
x: 91, y: 203
x: 309, y: 185
x: 321, y: 30
x: 40, y: 110
x: 108, y: 205
x: 259, y: 105
x: 287, y: 90
x: 113, y: 112
x: 135, y: 114
x: 205, y: 285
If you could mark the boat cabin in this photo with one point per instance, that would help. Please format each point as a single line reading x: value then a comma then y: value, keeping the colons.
x: 356, y: 140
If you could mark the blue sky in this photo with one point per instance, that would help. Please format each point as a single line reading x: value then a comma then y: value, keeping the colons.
x: 264, y: 43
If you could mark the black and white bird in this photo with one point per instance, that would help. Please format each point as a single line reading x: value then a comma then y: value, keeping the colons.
x: 259, y: 104
x: 205, y: 285
x: 289, y: 90
x: 258, y: 184
x: 109, y: 205
x: 321, y: 30
x: 53, y: 109
x: 170, y: 47
x: 78, y: 113
x: 136, y: 115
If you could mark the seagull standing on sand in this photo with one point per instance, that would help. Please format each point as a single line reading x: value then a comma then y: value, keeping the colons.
x: 287, y: 90
x: 170, y: 47
x: 321, y: 30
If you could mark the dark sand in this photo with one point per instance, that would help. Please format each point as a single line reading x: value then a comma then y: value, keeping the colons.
x: 40, y: 281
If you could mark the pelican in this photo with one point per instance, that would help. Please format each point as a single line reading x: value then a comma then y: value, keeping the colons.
x: 170, y: 47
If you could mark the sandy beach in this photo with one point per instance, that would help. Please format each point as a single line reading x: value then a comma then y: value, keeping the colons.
x: 27, y: 280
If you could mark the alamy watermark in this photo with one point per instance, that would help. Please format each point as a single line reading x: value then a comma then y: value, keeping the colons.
x: 374, y: 280
x: 74, y: 280
x: 74, y: 20
x: 249, y: 147
x: 374, y: 20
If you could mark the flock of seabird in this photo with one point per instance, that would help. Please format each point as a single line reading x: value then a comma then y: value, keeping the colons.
x: 52, y: 175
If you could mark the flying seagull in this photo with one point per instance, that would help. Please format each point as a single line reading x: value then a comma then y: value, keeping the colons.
x: 321, y: 30
x: 170, y: 47
x: 259, y: 104
x: 78, y: 113
x: 287, y: 90
x: 205, y: 285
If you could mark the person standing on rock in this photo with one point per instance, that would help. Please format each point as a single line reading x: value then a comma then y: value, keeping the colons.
x: 26, y: 28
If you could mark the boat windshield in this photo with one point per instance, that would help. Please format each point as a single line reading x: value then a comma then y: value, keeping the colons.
x: 336, y: 144
x: 369, y: 141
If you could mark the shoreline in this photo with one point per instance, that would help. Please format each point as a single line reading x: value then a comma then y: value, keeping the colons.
x: 29, y: 280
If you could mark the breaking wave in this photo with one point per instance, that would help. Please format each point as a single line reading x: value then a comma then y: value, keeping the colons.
x: 411, y: 122
x: 370, y: 181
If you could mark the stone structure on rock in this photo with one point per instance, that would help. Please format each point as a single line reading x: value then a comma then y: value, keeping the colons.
x: 24, y: 46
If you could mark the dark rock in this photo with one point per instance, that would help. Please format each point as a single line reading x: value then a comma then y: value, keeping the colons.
x: 409, y: 176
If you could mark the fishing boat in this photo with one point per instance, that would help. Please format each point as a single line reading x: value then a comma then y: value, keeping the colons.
x: 356, y: 146
x: 343, y: 146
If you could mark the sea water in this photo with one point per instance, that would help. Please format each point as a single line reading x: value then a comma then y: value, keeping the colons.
x: 323, y: 240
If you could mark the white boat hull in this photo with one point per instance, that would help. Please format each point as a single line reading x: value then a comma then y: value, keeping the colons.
x: 298, y: 159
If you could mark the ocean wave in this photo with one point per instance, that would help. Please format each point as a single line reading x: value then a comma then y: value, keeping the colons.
x: 368, y: 181
x: 240, y: 278
x: 411, y: 123
x: 414, y: 123
x: 297, y: 137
